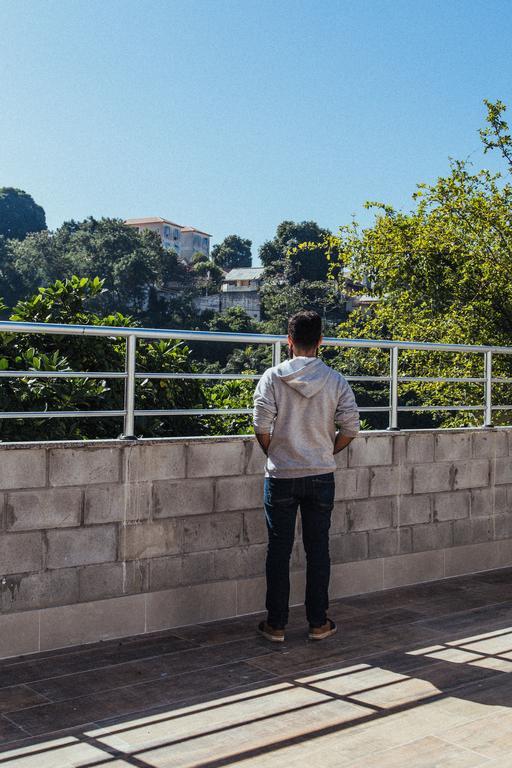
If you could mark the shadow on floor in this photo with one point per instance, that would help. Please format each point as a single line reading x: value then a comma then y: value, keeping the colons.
x: 415, y: 676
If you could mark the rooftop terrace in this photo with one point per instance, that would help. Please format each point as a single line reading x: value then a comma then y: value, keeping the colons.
x: 417, y: 676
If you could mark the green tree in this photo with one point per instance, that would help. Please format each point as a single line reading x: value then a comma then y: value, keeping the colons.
x: 299, y: 251
x: 279, y: 301
x: 19, y: 214
x: 69, y: 302
x: 233, y: 252
x: 442, y: 272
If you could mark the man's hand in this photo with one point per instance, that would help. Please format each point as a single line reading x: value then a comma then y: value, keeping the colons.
x: 264, y: 440
x: 341, y: 442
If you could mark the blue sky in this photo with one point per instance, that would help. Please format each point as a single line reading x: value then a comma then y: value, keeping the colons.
x: 232, y: 115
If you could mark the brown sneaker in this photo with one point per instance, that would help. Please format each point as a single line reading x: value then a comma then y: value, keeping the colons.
x: 320, y: 633
x: 271, y: 633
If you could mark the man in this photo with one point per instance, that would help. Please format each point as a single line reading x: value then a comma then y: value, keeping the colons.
x: 296, y: 406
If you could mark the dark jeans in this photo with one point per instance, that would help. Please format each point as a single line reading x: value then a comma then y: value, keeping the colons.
x: 282, y: 496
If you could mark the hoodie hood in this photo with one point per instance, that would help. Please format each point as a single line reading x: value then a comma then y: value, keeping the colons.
x: 307, y: 375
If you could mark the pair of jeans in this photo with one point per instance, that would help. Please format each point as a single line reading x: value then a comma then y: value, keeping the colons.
x: 282, y: 497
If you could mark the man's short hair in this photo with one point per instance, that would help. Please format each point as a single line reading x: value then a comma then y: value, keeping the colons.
x: 305, y: 328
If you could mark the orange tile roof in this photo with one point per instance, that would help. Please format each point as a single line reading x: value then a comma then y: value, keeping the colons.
x: 199, y: 231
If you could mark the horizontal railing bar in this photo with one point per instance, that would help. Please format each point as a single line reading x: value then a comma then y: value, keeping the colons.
x: 441, y: 408
x: 193, y: 411
x: 239, y: 376
x: 471, y: 379
x: 62, y: 375
x: 56, y: 414
x: 9, y: 326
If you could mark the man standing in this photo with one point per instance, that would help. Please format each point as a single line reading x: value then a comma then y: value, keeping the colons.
x: 296, y: 407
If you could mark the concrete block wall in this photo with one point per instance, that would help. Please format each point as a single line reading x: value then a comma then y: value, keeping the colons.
x: 105, y: 539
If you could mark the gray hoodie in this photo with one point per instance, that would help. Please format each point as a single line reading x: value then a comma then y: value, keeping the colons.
x: 299, y: 402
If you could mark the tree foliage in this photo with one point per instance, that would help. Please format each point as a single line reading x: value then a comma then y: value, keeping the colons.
x: 233, y: 252
x: 298, y: 252
x: 19, y: 214
x: 442, y: 273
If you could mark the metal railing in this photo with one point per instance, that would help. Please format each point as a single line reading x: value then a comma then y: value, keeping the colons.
x: 130, y: 374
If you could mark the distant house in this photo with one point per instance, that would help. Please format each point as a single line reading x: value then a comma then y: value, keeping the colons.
x: 241, y: 288
x: 186, y: 241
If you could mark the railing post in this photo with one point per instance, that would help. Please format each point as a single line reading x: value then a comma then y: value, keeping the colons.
x: 393, y: 389
x: 488, y: 389
x: 276, y: 353
x: 129, y: 388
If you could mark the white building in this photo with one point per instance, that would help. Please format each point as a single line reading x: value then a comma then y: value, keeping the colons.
x: 241, y: 288
x: 186, y: 241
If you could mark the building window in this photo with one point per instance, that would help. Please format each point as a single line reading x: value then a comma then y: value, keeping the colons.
x: 176, y: 234
x: 167, y: 231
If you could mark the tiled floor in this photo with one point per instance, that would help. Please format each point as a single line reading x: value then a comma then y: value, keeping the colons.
x: 416, y: 677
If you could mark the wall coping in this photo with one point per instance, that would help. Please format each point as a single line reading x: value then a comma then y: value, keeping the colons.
x: 119, y: 443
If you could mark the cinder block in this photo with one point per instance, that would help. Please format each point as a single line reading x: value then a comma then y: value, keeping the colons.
x: 254, y: 527
x: 389, y: 481
x: 504, y: 553
x: 19, y: 634
x: 165, y: 572
x: 432, y: 536
x: 414, y: 509
x: 197, y: 568
x: 156, y: 461
x: 488, y: 501
x: 150, y: 539
x: 91, y: 622
x: 351, y: 483
x: 420, y: 448
x: 367, y: 514
x: 46, y: 508
x: 471, y: 531
x: 399, y: 448
x: 213, y: 459
x: 81, y: 466
x: 25, y: 592
x: 22, y: 469
x: 413, y: 568
x: 234, y: 493
x: 371, y: 450
x: 389, y: 541
x: 502, y: 527
x: 451, y: 506
x: 209, y: 532
x: 339, y: 517
x: 344, y: 548
x: 81, y: 546
x: 298, y: 558
x: 240, y: 563
x: 117, y: 502
x: 431, y: 477
x: 470, y: 474
x: 297, y: 587
x: 489, y: 443
x: 103, y: 580
x: 356, y: 578
x: 503, y: 470
x: 20, y: 552
x: 452, y: 446
x: 190, y: 605
x: 256, y: 459
x: 185, y: 497
x: 341, y: 458
x: 472, y: 558
x: 250, y: 595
